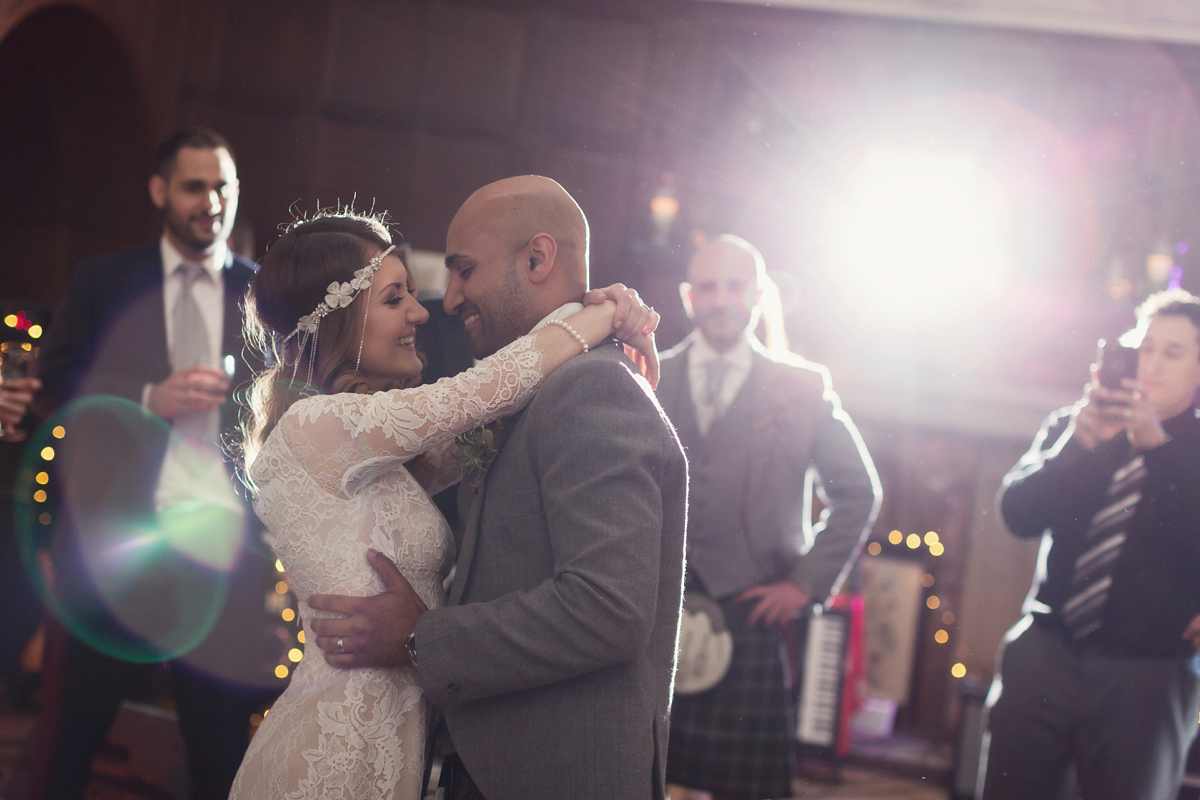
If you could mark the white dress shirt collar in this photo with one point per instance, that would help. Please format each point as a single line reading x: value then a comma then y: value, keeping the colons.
x: 213, y: 263
x: 562, y: 312
x: 739, y: 357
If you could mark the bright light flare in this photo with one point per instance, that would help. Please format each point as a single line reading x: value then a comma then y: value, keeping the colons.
x: 920, y: 231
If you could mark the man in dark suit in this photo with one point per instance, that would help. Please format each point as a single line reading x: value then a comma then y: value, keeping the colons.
x: 553, y: 658
x: 1099, y: 674
x: 754, y: 425
x: 138, y: 363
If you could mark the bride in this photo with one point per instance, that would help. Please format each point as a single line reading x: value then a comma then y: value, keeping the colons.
x: 338, y: 430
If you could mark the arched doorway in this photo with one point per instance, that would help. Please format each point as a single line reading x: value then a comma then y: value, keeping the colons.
x: 74, y: 140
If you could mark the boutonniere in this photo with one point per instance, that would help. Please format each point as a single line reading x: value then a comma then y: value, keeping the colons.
x: 477, y: 448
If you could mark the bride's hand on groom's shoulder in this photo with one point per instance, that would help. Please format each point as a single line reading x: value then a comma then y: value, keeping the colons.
x: 374, y: 630
x: 632, y: 317
x: 634, y: 324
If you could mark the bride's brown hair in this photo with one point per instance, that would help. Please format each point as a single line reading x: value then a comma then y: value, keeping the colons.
x: 292, y: 279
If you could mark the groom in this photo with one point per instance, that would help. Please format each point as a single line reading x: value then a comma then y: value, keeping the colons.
x: 553, y: 659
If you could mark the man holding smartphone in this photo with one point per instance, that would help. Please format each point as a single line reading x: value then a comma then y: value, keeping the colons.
x: 1099, y: 674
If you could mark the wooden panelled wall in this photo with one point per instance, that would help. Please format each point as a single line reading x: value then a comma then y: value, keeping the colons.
x: 758, y: 113
x: 410, y: 106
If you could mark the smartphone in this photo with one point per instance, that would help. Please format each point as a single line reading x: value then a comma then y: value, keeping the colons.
x: 1115, y: 362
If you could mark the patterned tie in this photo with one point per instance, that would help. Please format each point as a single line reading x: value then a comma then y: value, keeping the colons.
x: 190, y: 347
x: 1084, y: 611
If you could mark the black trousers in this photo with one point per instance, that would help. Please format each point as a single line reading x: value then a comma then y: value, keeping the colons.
x: 82, y: 690
x: 1126, y: 723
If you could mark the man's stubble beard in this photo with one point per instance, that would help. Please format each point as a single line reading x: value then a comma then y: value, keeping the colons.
x: 181, y: 227
x: 505, y: 315
x: 723, y: 337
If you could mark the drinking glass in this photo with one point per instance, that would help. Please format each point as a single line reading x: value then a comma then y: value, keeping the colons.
x: 17, y: 360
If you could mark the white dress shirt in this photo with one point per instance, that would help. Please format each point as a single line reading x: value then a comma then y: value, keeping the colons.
x: 191, y: 472
x: 738, y: 358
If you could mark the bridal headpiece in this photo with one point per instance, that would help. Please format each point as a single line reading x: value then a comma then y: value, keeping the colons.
x: 337, y: 295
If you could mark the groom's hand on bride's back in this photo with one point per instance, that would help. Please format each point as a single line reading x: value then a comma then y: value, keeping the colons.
x: 375, y: 629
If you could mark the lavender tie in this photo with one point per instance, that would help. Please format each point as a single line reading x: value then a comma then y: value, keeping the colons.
x: 190, y: 347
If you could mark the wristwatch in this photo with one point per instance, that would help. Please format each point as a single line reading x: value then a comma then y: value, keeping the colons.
x: 411, y: 647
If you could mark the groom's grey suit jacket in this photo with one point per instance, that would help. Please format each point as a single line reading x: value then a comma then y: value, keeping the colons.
x: 554, y: 657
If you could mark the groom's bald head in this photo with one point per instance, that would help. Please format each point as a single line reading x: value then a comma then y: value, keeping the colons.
x: 517, y: 249
x: 514, y: 210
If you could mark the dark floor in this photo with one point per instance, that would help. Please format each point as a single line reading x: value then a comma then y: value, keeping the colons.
x: 894, y: 768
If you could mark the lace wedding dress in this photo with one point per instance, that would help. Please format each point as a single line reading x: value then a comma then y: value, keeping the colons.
x: 330, y: 483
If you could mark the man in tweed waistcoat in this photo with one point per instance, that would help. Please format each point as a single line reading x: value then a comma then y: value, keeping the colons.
x: 754, y: 426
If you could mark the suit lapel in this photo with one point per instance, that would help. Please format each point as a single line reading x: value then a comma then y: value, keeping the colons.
x: 149, y: 323
x: 466, y: 548
x: 676, y: 398
x: 235, y: 279
x: 755, y: 401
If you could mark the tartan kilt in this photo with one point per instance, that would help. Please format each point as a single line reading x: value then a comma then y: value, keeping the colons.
x: 737, y: 739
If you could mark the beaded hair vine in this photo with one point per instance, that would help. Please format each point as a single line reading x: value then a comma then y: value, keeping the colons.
x: 338, y: 295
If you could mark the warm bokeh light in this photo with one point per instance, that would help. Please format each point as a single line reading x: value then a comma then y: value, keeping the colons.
x: 278, y: 565
x: 58, y: 432
x: 931, y: 538
x: 35, y: 331
x: 42, y: 477
x: 948, y: 618
x: 295, y: 654
x: 941, y: 637
x: 256, y: 720
x: 281, y: 587
x: 288, y: 615
x: 300, y: 637
x: 47, y: 454
x: 11, y: 320
x: 927, y: 580
x: 281, y: 671
x: 913, y: 541
x: 936, y: 549
x: 959, y: 670
x: 874, y: 548
x: 895, y: 537
x: 932, y: 601
x: 39, y: 496
x: 44, y: 518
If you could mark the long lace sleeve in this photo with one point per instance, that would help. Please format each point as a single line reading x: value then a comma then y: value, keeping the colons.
x: 344, y: 439
x: 438, y: 468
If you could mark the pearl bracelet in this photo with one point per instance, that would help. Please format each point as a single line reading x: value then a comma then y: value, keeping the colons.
x: 570, y: 330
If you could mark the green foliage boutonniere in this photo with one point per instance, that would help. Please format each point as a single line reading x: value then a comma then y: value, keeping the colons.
x: 477, y: 448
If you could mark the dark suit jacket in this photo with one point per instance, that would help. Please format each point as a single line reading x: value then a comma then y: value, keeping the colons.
x: 749, y: 521
x: 107, y: 340
x: 1055, y: 490
x: 554, y: 656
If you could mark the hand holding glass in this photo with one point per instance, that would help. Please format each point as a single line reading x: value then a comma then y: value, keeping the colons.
x: 18, y: 361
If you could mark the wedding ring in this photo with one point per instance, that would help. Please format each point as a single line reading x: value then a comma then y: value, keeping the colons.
x: 341, y: 645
